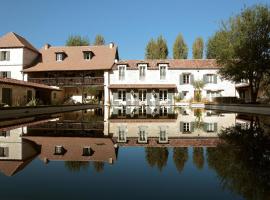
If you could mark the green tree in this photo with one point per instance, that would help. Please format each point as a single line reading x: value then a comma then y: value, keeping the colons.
x: 245, y: 54
x: 157, y: 156
x: 99, y: 40
x: 76, y: 166
x: 180, y: 49
x: 162, y: 48
x: 77, y: 40
x: 156, y: 49
x: 150, y: 51
x: 99, y: 166
x: 197, y: 48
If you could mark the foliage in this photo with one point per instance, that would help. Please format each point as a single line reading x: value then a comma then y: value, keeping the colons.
x: 77, y: 40
x: 157, y: 156
x: 180, y: 49
x: 76, y: 166
x: 197, y: 48
x: 198, y: 113
x: 242, y: 161
x: 180, y: 157
x: 178, y: 97
x: 242, y: 47
x: 156, y: 49
x: 198, y: 157
x: 198, y: 86
x: 99, y: 40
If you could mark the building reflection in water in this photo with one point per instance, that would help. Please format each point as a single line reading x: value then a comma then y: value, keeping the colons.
x: 79, y: 138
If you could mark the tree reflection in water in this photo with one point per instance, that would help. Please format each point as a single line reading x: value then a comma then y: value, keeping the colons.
x: 198, y: 157
x: 180, y: 157
x: 242, y: 161
x: 99, y: 166
x: 157, y: 156
x: 76, y: 166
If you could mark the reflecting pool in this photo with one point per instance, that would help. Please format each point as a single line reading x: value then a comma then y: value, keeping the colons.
x: 136, y: 153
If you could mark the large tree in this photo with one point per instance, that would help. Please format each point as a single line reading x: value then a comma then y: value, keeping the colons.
x: 77, y: 40
x: 156, y: 49
x: 245, y: 50
x: 197, y: 48
x: 180, y: 49
x: 99, y: 40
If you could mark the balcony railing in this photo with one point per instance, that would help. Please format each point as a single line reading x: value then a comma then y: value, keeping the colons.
x: 68, y: 81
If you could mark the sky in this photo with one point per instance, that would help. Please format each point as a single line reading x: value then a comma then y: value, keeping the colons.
x: 129, y: 24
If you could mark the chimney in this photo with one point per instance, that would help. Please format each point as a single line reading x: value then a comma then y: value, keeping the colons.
x: 111, y: 45
x: 47, y: 46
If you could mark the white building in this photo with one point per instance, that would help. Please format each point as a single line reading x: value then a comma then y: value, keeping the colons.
x: 16, y: 54
x: 157, y: 82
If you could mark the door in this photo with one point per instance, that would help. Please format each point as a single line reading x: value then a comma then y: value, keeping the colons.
x: 7, y: 96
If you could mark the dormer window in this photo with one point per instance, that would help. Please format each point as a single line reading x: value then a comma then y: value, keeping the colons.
x: 162, y: 71
x: 88, y: 55
x: 142, y: 70
x: 59, y: 56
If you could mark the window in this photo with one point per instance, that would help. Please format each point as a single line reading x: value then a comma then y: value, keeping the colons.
x: 142, y: 111
x: 210, y: 127
x: 121, y: 135
x: 142, y: 95
x: 122, y: 112
x: 3, y: 151
x: 163, y: 111
x: 184, y: 93
x: 142, y: 70
x: 59, y: 56
x: 211, y: 94
x: 210, y: 78
x: 142, y: 136
x: 87, y: 151
x: 186, y: 78
x: 186, y: 127
x: 163, y: 136
x: 4, y: 56
x: 54, y: 95
x: 122, y: 95
x: 87, y: 55
x: 4, y: 133
x: 5, y: 74
x: 162, y: 71
x: 59, y: 150
x: 121, y: 70
x: 163, y: 95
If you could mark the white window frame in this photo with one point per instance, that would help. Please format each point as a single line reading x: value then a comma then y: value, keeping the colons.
x: 122, y: 136
x: 142, y: 111
x: 186, y: 78
x: 210, y: 78
x: 121, y: 72
x: 210, y: 127
x: 59, y: 57
x: 142, y: 94
x: 142, y: 136
x: 87, y: 55
x: 123, y: 95
x: 186, y: 127
x: 142, y: 71
x: 4, y: 56
x: 162, y: 95
x: 163, y: 136
x: 161, y: 67
x: 163, y: 111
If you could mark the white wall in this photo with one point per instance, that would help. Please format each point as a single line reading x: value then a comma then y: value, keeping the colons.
x: 173, y: 77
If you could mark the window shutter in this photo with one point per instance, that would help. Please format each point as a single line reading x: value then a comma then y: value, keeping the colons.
x: 181, y: 79
x: 215, y: 79
x: 192, y: 124
x: 191, y: 78
x: 205, y: 79
x: 205, y: 125
x: 215, y: 126
x: 8, y: 74
x: 181, y: 126
x: 1, y: 56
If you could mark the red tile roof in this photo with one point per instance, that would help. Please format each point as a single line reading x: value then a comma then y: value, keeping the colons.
x: 25, y: 84
x: 103, y: 58
x: 173, y: 63
x: 12, y: 40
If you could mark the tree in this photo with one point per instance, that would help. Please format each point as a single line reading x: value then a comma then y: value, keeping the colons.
x: 198, y: 86
x: 246, y: 51
x: 180, y: 157
x: 156, y: 49
x: 157, y: 156
x: 162, y: 49
x: 150, y: 51
x: 198, y: 157
x: 180, y: 49
x: 99, y: 40
x: 197, y: 48
x: 76, y: 166
x: 77, y: 40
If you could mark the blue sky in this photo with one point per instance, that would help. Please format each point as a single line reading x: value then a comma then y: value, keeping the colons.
x: 130, y: 24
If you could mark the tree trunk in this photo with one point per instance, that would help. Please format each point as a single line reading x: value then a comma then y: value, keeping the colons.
x: 253, y: 93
